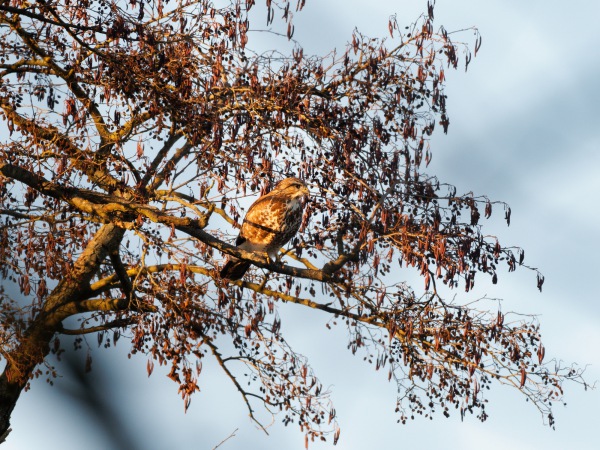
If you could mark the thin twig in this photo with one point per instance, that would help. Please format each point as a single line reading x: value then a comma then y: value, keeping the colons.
x: 244, y: 394
x: 226, y: 439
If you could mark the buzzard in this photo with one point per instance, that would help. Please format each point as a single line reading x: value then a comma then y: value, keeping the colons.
x: 270, y: 223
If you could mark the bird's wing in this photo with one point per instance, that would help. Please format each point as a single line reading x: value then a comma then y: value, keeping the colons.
x: 263, y: 219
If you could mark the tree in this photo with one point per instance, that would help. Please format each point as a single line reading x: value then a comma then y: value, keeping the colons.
x: 136, y: 134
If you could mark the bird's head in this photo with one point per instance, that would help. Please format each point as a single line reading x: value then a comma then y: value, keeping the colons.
x: 294, y: 187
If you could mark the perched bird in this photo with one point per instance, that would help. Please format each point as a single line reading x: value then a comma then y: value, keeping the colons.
x: 270, y: 223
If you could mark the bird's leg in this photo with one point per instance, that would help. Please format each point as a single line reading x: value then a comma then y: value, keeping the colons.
x: 274, y: 259
x: 278, y: 258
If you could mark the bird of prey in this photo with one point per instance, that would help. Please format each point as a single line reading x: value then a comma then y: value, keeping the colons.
x: 270, y: 223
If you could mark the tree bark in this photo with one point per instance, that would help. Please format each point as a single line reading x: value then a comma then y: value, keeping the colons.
x: 35, y: 345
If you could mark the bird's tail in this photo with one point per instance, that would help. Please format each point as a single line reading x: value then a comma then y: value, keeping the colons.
x: 234, y: 269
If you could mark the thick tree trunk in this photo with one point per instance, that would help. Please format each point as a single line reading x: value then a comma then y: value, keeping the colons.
x: 35, y: 344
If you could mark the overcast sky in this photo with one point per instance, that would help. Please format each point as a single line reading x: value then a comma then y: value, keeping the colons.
x: 525, y: 129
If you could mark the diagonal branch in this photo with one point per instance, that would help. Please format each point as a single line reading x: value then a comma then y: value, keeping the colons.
x: 170, y: 165
x: 160, y: 156
x: 223, y: 365
x: 56, y: 139
x: 68, y: 76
